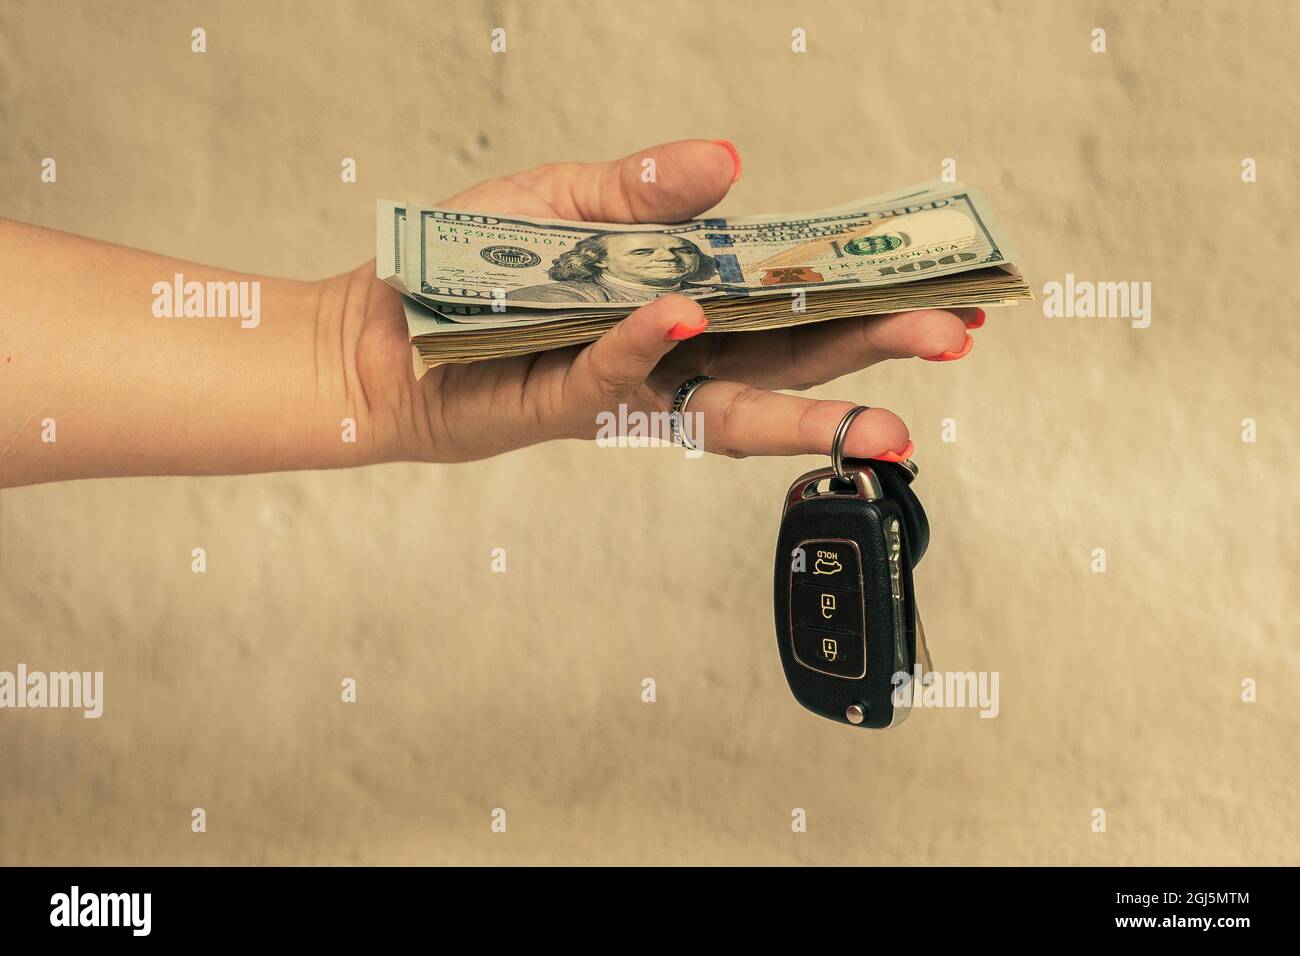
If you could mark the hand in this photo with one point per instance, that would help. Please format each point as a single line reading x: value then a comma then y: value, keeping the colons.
x: 463, y: 412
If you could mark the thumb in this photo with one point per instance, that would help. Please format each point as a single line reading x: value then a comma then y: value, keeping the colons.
x: 624, y: 357
x: 665, y: 183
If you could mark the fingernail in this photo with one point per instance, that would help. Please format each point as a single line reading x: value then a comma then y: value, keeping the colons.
x: 902, y: 455
x: 978, y: 321
x: 735, y: 156
x: 952, y: 356
x: 681, y: 331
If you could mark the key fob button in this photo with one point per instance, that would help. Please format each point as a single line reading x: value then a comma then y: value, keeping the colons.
x: 830, y: 563
x: 831, y: 652
x: 831, y: 608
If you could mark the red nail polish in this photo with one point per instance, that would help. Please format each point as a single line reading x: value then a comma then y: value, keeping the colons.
x: 952, y: 356
x: 901, y: 455
x: 978, y: 321
x: 681, y: 331
x: 735, y: 156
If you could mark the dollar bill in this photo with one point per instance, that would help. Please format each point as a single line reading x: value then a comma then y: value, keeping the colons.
x: 440, y: 339
x: 468, y: 259
x: 390, y: 219
x: 933, y: 245
x: 390, y: 240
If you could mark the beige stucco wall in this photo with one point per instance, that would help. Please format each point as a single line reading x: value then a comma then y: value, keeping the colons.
x: 479, y: 690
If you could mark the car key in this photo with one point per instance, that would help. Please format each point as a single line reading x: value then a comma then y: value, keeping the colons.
x: 846, y: 618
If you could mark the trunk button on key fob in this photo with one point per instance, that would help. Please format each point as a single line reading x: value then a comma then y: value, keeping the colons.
x: 832, y: 563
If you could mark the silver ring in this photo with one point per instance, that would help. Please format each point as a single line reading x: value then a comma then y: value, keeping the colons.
x: 680, y: 398
x: 837, y: 443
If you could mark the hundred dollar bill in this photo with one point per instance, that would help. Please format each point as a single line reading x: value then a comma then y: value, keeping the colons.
x: 464, y: 263
x: 474, y: 330
x: 391, y: 228
x: 438, y: 339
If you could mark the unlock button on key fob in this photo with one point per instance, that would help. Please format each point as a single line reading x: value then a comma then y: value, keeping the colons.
x: 825, y: 607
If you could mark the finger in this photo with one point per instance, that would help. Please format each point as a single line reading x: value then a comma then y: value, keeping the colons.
x: 665, y: 183
x: 740, y: 420
x: 624, y: 357
x: 809, y: 355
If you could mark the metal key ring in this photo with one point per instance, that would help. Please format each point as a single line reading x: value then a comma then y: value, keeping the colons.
x: 837, y: 443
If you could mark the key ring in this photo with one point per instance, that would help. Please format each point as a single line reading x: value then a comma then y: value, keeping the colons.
x: 837, y: 443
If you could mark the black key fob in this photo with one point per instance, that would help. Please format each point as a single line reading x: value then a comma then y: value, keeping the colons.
x: 846, y: 617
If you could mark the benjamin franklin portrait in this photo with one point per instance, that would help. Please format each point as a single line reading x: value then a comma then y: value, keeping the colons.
x: 623, y: 267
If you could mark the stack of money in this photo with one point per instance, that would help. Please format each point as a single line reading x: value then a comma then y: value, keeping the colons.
x: 483, y: 285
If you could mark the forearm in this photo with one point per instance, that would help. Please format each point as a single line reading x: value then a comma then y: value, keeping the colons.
x: 86, y: 359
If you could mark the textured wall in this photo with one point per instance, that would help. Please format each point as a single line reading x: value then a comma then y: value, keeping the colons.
x: 479, y: 690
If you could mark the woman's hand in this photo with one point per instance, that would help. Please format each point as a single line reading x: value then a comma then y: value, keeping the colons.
x: 462, y: 412
x: 102, y: 374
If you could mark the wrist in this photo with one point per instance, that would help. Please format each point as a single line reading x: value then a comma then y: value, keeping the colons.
x: 367, y: 406
x: 335, y: 422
